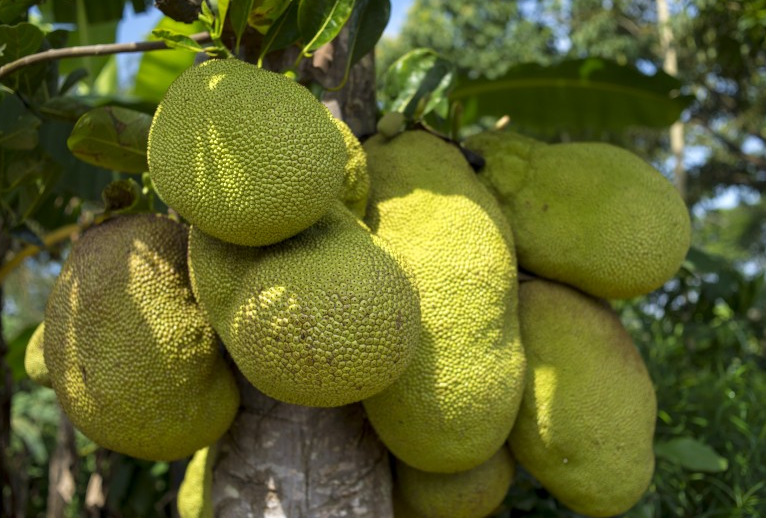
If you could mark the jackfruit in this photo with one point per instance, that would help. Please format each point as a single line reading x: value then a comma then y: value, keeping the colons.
x: 195, y: 495
x: 325, y: 318
x: 247, y: 155
x: 587, y: 419
x: 475, y: 493
x: 356, y: 182
x: 455, y: 404
x: 34, y: 361
x: 590, y: 215
x: 133, y: 361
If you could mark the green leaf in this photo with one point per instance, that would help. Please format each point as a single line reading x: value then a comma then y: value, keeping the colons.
x: 31, y: 177
x: 264, y: 13
x: 282, y: 33
x: 176, y: 40
x: 366, y: 25
x: 418, y: 83
x: 18, y: 127
x: 238, y: 13
x: 112, y: 138
x: 158, y: 69
x: 17, y: 348
x: 72, y: 79
x: 65, y: 108
x: 11, y: 10
x: 320, y: 21
x: 591, y: 93
x: 19, y: 41
x: 691, y: 454
x: 96, y: 12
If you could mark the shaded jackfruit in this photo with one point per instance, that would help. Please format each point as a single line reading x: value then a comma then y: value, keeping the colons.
x: 453, y: 407
x: 590, y: 215
x: 247, y: 155
x: 356, y: 182
x: 133, y: 361
x: 475, y: 493
x: 587, y: 419
x: 195, y: 495
x: 325, y: 318
x: 34, y: 361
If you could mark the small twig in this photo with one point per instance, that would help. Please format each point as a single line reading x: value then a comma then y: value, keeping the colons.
x: 92, y: 50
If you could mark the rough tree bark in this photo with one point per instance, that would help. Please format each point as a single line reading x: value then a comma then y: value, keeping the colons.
x: 288, y: 461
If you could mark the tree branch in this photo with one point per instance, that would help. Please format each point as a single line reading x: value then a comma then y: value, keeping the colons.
x: 92, y: 50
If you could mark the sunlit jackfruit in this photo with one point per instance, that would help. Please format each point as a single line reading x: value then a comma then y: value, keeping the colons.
x: 34, y: 361
x: 356, y: 183
x: 467, y: 494
x: 247, y: 155
x: 587, y: 419
x: 590, y: 215
x: 195, y: 495
x: 325, y: 318
x: 133, y: 361
x: 452, y: 408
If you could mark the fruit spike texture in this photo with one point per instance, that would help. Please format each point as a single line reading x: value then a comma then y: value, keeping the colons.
x: 586, y: 422
x: 324, y: 319
x: 590, y: 215
x: 34, y: 360
x: 453, y: 407
x: 467, y: 494
x: 133, y: 361
x: 247, y: 155
x: 356, y: 183
x: 195, y: 499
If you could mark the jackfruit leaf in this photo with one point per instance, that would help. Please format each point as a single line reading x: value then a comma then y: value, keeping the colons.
x: 320, y: 21
x: 238, y: 13
x: 418, y: 83
x: 72, y: 79
x: 282, y: 33
x: 18, y: 126
x: 113, y: 138
x: 592, y: 93
x: 700, y: 262
x: 95, y: 12
x: 158, y: 69
x: 11, y: 10
x: 691, y: 454
x: 22, y: 40
x: 176, y: 40
x: 17, y: 348
x: 264, y: 13
x: 366, y: 24
x: 121, y: 195
x: 31, y: 176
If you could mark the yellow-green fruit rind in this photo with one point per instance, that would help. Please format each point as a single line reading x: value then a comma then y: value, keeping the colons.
x: 590, y: 215
x: 247, y: 155
x: 467, y: 494
x: 34, y: 361
x: 356, y: 183
x: 133, y: 361
x: 195, y: 495
x: 325, y: 318
x: 587, y: 419
x: 453, y: 407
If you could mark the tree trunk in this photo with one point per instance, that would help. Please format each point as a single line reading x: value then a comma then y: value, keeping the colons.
x: 288, y: 461
x: 61, y: 472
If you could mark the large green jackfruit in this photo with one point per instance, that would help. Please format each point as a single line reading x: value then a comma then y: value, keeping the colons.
x: 247, y: 155
x: 133, y: 361
x: 356, y: 182
x: 34, y: 360
x: 195, y: 495
x: 590, y: 215
x: 586, y: 422
x: 325, y: 318
x: 454, y: 405
x: 467, y: 494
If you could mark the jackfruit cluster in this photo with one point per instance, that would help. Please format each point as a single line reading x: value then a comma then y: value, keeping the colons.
x: 332, y: 272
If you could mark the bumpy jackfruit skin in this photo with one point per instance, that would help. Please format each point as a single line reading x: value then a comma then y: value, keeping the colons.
x: 195, y: 495
x: 467, y: 494
x: 587, y: 419
x: 590, y: 215
x: 325, y: 318
x: 34, y: 361
x: 453, y: 406
x: 356, y: 182
x: 133, y: 361
x: 247, y: 155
